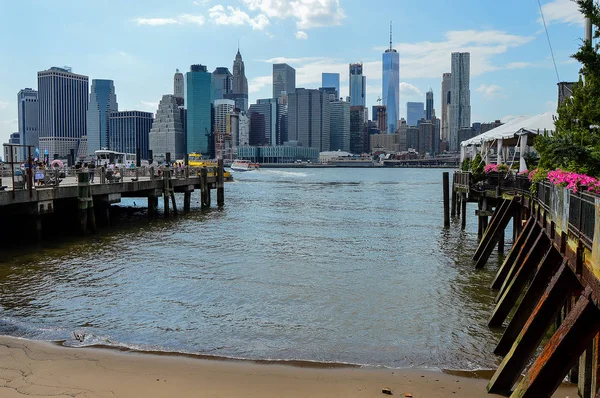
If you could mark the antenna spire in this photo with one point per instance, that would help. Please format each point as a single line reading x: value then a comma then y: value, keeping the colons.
x: 390, y: 35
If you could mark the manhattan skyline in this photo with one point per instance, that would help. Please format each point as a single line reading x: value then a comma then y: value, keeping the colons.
x: 511, y: 70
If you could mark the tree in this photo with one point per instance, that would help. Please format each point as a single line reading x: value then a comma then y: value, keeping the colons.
x: 575, y: 145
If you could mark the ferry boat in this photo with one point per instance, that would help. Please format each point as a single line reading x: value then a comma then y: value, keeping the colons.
x: 244, y: 165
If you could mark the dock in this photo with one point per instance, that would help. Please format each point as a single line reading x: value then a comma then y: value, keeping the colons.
x: 70, y: 196
x: 547, y: 285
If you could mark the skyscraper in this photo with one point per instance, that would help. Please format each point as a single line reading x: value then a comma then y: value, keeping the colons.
x: 27, y: 100
x: 222, y: 83
x: 391, y: 85
x: 358, y: 85
x: 331, y: 80
x: 309, y: 118
x: 284, y: 79
x: 359, y: 137
x: 103, y: 101
x: 239, y: 84
x: 415, y: 111
x: 429, y: 105
x: 63, y: 100
x: 199, y: 110
x: 178, y: 85
x: 446, y: 93
x: 460, y: 97
x: 166, y: 135
x: 339, y: 126
x: 223, y: 107
x: 130, y: 131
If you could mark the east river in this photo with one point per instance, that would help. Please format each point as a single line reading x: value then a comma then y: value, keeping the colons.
x: 333, y: 265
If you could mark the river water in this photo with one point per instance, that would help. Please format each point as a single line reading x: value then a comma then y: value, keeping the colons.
x: 332, y: 265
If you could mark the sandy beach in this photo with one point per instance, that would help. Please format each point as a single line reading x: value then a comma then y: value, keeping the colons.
x: 31, y: 368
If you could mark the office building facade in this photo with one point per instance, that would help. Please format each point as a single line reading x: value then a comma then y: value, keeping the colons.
x: 63, y: 99
x: 391, y: 85
x: 339, y: 126
x: 446, y: 100
x: 331, y: 80
x: 284, y: 79
x: 222, y: 127
x: 28, y: 114
x: 415, y: 111
x: 178, y: 85
x: 199, y: 110
x: 460, y: 97
x: 130, y: 132
x: 103, y: 101
x: 358, y: 85
x: 166, y: 134
x: 309, y: 118
x: 429, y: 112
x: 222, y: 83
x: 359, y: 136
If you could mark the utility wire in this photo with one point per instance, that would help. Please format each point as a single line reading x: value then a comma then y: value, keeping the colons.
x: 549, y: 43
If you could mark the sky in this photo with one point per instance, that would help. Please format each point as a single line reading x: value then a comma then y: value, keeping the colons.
x: 139, y: 44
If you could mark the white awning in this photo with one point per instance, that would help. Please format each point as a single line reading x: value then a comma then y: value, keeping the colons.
x: 519, y: 126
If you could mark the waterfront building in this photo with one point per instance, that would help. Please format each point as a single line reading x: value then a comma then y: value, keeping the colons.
x: 359, y: 136
x: 380, y: 115
x: 263, y: 122
x: 63, y: 100
x: 222, y: 127
x: 222, y: 83
x: 239, y: 88
x: 28, y: 114
x: 460, y: 97
x: 331, y: 80
x: 284, y: 79
x: 339, y: 126
x: 103, y: 101
x: 429, y: 105
x: 385, y: 142
x: 278, y: 153
x: 199, y: 110
x: 358, y: 85
x: 130, y: 132
x: 412, y: 138
x: 402, y: 135
x: 427, y: 141
x: 485, y: 127
x: 179, y: 86
x: 166, y: 134
x: 243, y: 129
x: 309, y: 118
x: 446, y: 96
x: 391, y: 85
x: 415, y: 111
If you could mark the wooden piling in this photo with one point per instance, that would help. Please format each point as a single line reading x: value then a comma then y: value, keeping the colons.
x: 463, y: 223
x: 453, y: 195
x: 512, y: 256
x: 560, y: 287
x: 501, y: 238
x: 204, y: 192
x: 500, y: 219
x: 187, y: 198
x: 562, y: 351
x: 446, y: 183
x: 220, y: 185
x: 84, y: 201
x: 458, y: 203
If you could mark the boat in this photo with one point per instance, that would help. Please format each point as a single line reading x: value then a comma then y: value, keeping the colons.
x: 244, y: 165
x: 195, y: 160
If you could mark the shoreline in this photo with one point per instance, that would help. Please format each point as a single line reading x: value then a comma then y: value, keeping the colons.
x: 37, y: 367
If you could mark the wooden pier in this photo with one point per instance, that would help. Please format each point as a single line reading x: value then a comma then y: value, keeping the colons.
x: 74, y: 197
x: 549, y: 281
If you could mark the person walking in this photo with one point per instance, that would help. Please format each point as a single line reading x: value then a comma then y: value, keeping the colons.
x: 92, y: 170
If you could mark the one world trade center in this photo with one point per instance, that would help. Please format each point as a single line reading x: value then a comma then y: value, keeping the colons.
x: 391, y: 86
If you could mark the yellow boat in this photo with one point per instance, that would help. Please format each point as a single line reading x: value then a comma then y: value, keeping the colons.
x: 195, y: 160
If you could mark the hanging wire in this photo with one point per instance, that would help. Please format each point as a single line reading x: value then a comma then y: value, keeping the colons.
x: 549, y: 43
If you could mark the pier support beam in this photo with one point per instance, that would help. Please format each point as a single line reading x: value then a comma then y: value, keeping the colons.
x: 446, y: 187
x: 512, y: 256
x: 453, y: 210
x: 204, y: 190
x: 559, y: 289
x: 187, y: 199
x: 562, y: 351
x: 463, y: 222
x: 152, y: 204
x: 500, y: 219
x: 220, y: 186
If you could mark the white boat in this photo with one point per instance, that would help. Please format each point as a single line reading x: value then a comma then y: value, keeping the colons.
x: 244, y: 165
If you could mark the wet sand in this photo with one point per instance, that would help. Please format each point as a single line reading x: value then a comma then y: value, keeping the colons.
x: 44, y: 369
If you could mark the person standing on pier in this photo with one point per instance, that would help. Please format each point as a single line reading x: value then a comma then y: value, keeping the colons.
x: 91, y: 169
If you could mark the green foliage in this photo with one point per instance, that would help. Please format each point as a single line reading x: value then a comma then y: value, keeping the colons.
x: 477, y: 168
x: 502, y: 167
x: 575, y: 146
x: 535, y: 176
x: 466, y: 165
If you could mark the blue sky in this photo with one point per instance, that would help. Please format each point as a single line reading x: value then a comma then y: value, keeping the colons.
x: 139, y: 44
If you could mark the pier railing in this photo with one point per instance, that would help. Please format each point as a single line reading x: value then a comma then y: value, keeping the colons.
x: 581, y: 205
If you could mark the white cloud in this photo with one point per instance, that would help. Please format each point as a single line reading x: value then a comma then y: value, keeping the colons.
x: 182, y: 19
x: 562, y: 11
x: 491, y: 91
x: 256, y: 84
x: 309, y: 13
x: 200, y: 2
x: 234, y: 16
x: 149, y: 106
x: 407, y: 89
x: 155, y: 21
x: 300, y: 35
x: 431, y: 59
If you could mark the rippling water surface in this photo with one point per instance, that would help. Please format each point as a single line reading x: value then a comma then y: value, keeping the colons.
x: 343, y: 265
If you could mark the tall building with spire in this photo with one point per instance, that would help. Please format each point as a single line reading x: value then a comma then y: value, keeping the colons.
x: 239, y: 89
x: 178, y: 85
x: 391, y: 85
